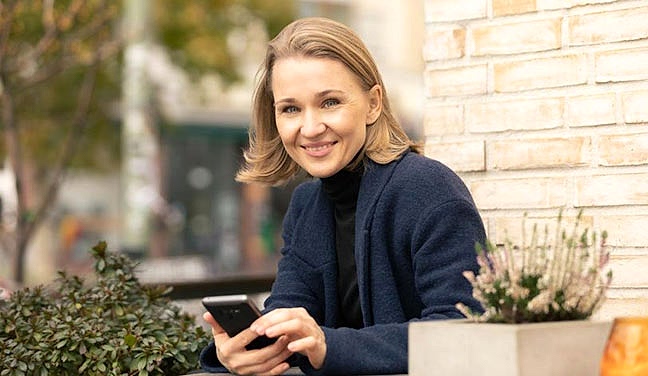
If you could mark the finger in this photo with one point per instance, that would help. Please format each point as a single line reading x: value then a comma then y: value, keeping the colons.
x: 246, y: 336
x: 272, y: 354
x: 259, y: 325
x: 272, y: 366
x: 212, y: 322
x: 277, y: 316
x: 281, y: 368
x: 295, y: 327
x: 302, y: 344
x: 278, y: 370
x: 219, y: 334
x: 314, y: 349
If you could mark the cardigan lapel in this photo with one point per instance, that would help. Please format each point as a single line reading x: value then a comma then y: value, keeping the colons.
x: 372, y: 184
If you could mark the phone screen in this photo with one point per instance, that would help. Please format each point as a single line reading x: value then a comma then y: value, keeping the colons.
x: 235, y: 313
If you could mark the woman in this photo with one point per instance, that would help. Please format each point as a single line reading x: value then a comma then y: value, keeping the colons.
x: 380, y: 239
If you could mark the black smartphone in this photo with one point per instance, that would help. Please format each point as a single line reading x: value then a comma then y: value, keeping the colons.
x: 235, y: 313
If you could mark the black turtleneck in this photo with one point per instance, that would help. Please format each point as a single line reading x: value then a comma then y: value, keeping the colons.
x: 342, y: 188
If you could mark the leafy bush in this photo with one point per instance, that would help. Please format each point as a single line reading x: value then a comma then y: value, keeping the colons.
x: 539, y: 281
x: 114, y: 326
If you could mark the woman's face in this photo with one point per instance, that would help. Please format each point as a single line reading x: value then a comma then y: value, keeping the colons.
x: 322, y: 112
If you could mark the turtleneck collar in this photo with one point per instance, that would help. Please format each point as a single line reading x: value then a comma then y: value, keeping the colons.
x: 343, y: 187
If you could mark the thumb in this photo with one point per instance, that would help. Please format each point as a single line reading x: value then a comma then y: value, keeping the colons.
x: 217, y: 331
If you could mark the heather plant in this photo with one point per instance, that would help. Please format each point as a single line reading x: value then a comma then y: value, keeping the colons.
x: 112, y: 326
x: 541, y: 280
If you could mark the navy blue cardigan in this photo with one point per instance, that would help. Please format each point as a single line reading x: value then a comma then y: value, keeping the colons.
x: 416, y: 228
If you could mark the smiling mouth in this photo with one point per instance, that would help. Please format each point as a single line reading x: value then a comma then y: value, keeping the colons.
x: 318, y: 148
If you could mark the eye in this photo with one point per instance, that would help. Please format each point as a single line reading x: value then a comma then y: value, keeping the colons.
x: 330, y: 103
x: 288, y: 109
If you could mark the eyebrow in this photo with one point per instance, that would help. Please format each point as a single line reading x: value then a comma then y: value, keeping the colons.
x: 318, y: 96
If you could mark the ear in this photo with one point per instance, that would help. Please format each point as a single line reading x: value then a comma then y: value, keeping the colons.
x: 375, y: 104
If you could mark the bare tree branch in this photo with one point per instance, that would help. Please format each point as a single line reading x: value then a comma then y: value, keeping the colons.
x: 106, y: 51
x: 54, y: 33
x: 70, y: 146
x: 6, y: 20
x: 79, y: 36
x: 53, y: 29
x: 91, y: 28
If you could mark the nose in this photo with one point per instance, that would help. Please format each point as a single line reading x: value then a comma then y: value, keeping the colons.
x: 312, y: 125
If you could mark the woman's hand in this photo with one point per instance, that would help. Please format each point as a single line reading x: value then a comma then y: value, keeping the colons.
x: 231, y: 352
x: 302, y: 332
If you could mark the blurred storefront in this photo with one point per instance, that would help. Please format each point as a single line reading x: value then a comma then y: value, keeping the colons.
x: 233, y: 226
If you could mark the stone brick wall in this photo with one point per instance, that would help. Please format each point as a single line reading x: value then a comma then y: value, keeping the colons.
x: 541, y: 105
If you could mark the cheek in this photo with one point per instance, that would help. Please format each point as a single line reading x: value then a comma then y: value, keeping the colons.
x: 361, y: 135
x: 286, y: 133
x: 357, y: 131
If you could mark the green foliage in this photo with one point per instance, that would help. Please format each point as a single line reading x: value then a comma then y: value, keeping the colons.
x: 114, y: 326
x: 541, y: 280
x: 196, y: 32
x: 50, y: 46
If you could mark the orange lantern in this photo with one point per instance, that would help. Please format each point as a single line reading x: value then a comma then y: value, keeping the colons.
x: 626, y: 351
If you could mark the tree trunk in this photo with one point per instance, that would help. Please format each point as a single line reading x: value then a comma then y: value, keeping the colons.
x: 14, y: 154
x: 32, y: 206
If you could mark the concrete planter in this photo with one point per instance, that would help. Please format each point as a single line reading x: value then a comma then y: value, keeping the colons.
x: 459, y: 347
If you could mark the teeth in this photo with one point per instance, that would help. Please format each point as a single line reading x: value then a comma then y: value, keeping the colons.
x: 317, y: 148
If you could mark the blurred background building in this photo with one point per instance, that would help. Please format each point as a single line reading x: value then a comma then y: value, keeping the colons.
x: 172, y: 201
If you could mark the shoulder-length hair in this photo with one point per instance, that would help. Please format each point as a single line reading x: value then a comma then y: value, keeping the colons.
x: 266, y: 160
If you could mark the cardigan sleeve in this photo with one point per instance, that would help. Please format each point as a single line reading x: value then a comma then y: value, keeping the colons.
x: 443, y: 246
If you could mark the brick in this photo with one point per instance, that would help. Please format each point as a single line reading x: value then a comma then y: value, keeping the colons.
x: 443, y: 120
x: 634, y: 107
x: 457, y: 81
x: 566, y: 4
x: 588, y: 110
x: 625, y: 230
x: 559, y: 71
x: 460, y: 156
x: 629, y: 271
x: 514, y: 115
x: 622, y: 65
x: 523, y: 193
x: 518, y: 37
x: 608, y: 27
x: 510, y: 7
x: 510, y: 228
x: 624, y: 150
x: 575, y: 3
x: 507, y: 229
x: 454, y: 10
x: 538, y: 153
x: 619, y: 307
x: 611, y: 190
x: 624, y: 293
x: 444, y: 44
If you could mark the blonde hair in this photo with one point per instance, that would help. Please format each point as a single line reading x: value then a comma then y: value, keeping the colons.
x: 266, y: 160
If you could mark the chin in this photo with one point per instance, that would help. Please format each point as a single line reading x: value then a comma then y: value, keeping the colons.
x: 323, y: 169
x: 321, y: 174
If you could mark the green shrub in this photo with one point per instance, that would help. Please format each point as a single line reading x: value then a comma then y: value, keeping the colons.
x: 113, y: 326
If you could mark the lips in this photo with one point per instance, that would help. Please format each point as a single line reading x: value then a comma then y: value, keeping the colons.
x: 319, y: 149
